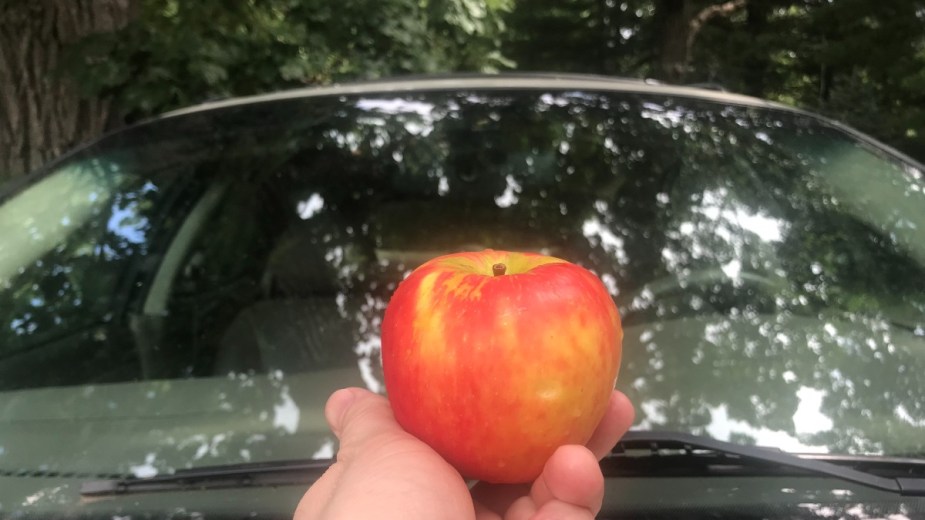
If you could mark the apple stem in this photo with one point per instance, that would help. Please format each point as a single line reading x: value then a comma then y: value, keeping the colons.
x: 498, y: 269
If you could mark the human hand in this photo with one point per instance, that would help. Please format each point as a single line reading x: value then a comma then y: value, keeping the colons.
x: 384, y: 472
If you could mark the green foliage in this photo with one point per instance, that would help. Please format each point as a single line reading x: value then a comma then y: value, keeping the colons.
x: 178, y: 53
x: 854, y: 60
x: 584, y: 36
x: 857, y: 61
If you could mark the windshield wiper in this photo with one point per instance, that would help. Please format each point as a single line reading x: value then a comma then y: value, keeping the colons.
x: 654, y: 453
x: 639, y: 453
x: 289, y: 472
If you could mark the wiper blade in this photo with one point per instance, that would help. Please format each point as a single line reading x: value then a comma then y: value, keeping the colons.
x: 667, y: 449
x: 290, y: 472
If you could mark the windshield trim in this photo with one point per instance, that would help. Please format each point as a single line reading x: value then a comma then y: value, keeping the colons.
x: 485, y: 82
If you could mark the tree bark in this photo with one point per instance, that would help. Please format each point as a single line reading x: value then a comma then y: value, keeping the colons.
x: 758, y: 63
x: 705, y: 15
x: 679, y: 26
x: 42, y: 113
x: 673, y: 21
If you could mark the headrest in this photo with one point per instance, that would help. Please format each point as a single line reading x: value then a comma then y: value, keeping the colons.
x: 315, y: 256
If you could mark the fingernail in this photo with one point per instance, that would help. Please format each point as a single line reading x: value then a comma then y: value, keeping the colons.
x: 337, y: 407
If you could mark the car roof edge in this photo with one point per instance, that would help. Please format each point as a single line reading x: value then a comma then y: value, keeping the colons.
x: 527, y: 81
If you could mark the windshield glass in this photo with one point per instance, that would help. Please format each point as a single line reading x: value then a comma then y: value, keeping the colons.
x: 188, y: 292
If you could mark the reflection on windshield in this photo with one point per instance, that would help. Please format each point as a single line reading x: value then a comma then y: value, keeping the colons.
x: 859, y: 511
x: 769, y: 293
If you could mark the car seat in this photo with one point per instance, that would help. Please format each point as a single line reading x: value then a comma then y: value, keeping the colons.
x: 305, y: 321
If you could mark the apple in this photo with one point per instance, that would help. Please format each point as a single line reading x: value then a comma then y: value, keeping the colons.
x: 495, y: 359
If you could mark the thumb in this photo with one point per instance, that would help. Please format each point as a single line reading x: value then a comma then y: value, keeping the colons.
x: 357, y: 416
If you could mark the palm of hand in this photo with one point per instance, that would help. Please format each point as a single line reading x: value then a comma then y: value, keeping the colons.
x: 384, y: 472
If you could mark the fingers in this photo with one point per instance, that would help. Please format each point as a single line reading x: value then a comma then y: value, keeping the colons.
x: 356, y: 415
x: 572, y: 475
x: 336, y: 408
x: 561, y: 510
x: 496, y: 498
x: 617, y: 420
x: 381, y: 471
x: 572, y: 485
x: 525, y: 509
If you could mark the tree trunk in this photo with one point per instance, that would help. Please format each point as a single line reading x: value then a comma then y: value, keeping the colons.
x: 42, y: 114
x: 705, y: 15
x: 758, y: 63
x: 674, y: 18
x: 679, y: 26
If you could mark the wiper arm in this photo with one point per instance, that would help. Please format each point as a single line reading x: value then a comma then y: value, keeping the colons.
x: 663, y: 448
x: 668, y: 446
x: 288, y: 472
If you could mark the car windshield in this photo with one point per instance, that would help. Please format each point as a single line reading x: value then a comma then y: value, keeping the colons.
x: 189, y: 291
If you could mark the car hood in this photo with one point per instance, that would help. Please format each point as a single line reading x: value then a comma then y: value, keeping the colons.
x: 821, y: 384
x: 145, y: 428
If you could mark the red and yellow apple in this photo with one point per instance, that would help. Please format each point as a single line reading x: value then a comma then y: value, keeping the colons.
x: 495, y: 359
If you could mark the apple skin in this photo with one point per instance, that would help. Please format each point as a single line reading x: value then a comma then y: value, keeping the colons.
x: 495, y: 372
